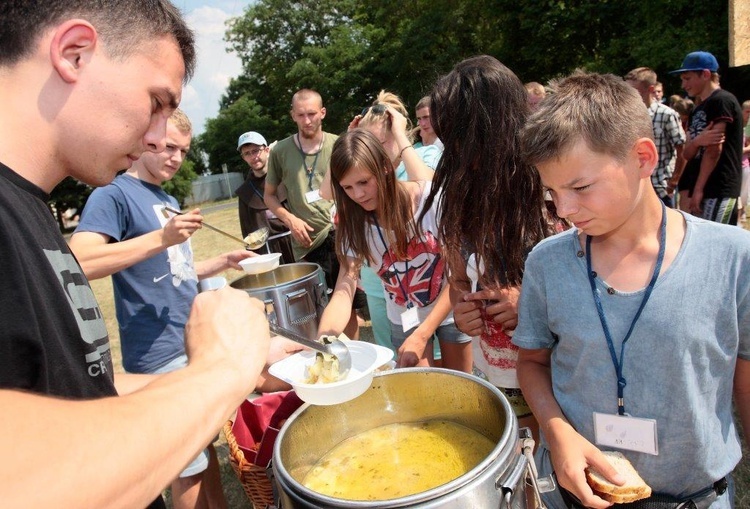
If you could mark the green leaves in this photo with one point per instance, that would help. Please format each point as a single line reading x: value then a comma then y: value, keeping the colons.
x: 348, y: 50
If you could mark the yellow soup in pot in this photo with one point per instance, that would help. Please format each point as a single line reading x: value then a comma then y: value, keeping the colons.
x: 398, y: 460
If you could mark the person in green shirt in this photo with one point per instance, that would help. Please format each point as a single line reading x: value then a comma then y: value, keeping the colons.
x: 300, y: 162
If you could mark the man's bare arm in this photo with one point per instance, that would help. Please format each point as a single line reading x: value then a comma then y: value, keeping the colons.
x: 101, y: 258
x: 120, y: 452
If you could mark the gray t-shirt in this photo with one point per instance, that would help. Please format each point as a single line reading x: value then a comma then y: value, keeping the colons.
x: 679, y: 362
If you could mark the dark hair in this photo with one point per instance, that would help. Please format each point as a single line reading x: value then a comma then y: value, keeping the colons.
x: 360, y: 148
x: 491, y: 200
x: 124, y: 26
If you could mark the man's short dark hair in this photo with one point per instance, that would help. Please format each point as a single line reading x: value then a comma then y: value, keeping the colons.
x: 124, y: 26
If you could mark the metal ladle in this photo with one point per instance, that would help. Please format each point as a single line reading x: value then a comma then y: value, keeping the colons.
x: 166, y: 209
x: 256, y: 240
x: 337, y: 348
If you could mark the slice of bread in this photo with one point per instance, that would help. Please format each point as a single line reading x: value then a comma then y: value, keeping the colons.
x: 635, y: 488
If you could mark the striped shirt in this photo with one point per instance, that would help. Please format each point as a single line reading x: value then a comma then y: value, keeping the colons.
x: 668, y: 135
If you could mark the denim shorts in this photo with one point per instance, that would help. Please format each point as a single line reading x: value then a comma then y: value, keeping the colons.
x: 448, y: 333
x: 200, y: 463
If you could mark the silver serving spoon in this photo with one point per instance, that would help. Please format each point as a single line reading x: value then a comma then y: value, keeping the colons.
x: 337, y: 348
x: 256, y: 240
x: 166, y: 209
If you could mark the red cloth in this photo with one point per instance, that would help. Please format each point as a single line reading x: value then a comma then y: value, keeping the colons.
x: 258, y: 423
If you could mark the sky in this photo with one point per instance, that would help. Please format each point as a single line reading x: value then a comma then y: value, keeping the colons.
x: 200, y: 97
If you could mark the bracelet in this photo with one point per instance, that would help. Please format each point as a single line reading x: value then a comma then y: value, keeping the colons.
x: 402, y: 150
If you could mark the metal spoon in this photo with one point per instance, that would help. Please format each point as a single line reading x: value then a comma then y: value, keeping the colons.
x: 178, y: 212
x: 256, y: 240
x: 337, y: 348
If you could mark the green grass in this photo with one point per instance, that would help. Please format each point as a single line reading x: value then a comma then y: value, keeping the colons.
x: 207, y: 244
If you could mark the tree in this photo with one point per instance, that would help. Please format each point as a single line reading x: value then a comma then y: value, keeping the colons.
x: 350, y: 49
x: 181, y: 185
x: 69, y: 194
x: 220, y: 137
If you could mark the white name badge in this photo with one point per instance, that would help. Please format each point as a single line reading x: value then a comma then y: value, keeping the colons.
x: 409, y: 318
x: 312, y: 196
x: 626, y: 432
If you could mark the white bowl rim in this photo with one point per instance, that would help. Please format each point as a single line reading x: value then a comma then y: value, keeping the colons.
x: 260, y: 259
x: 382, y: 356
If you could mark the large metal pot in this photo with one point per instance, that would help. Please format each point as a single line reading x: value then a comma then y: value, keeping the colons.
x: 294, y: 294
x: 400, y: 396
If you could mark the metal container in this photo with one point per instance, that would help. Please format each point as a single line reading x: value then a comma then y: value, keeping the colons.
x: 400, y: 396
x: 294, y: 294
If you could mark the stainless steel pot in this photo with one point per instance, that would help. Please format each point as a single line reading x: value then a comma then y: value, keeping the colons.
x: 409, y: 395
x: 295, y: 295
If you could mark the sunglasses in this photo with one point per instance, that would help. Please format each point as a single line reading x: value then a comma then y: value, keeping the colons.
x: 377, y: 109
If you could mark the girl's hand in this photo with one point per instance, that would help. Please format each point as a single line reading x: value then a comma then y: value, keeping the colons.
x: 354, y: 123
x: 398, y: 121
x: 501, y: 305
x: 412, y: 352
x: 467, y: 316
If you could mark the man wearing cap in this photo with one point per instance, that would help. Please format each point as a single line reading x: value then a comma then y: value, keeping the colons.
x: 713, y: 175
x: 253, y: 211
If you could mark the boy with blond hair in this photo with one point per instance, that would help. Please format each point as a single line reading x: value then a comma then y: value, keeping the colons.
x: 603, y: 355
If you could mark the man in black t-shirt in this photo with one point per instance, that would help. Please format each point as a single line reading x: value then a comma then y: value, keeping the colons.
x: 253, y: 211
x: 86, y: 87
x: 713, y: 175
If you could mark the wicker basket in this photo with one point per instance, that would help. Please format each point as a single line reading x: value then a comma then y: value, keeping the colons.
x: 253, y: 478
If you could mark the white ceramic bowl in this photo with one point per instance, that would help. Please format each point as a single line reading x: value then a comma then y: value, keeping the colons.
x: 261, y: 263
x: 366, y: 358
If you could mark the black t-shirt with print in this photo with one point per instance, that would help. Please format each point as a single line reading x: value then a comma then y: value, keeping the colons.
x: 53, y: 339
x: 726, y: 179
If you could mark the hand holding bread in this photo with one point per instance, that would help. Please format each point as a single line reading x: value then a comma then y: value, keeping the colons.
x: 635, y: 488
x: 572, y: 456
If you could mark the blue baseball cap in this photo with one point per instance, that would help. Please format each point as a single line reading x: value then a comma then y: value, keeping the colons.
x: 251, y: 137
x: 698, y: 61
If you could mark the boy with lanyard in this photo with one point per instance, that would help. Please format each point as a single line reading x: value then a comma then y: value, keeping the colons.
x: 602, y: 353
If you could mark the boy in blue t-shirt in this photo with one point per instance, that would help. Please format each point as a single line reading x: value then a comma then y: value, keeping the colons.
x: 634, y: 326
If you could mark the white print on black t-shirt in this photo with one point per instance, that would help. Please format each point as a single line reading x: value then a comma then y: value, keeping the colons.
x: 697, y: 125
x: 85, y: 309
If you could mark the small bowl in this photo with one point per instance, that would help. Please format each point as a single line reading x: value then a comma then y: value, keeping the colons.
x: 366, y: 358
x: 261, y: 263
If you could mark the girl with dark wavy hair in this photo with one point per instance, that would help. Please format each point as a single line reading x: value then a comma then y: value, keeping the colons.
x: 491, y: 209
x: 378, y: 227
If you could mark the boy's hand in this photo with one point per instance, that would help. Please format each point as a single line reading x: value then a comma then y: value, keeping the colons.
x: 571, y: 455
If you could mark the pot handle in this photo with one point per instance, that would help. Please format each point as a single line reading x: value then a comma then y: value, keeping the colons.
x: 511, y: 483
x: 270, y: 310
x: 539, y: 485
x: 311, y: 306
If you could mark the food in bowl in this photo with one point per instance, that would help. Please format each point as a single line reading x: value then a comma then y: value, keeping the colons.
x: 366, y: 358
x: 325, y: 368
x: 398, y: 460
